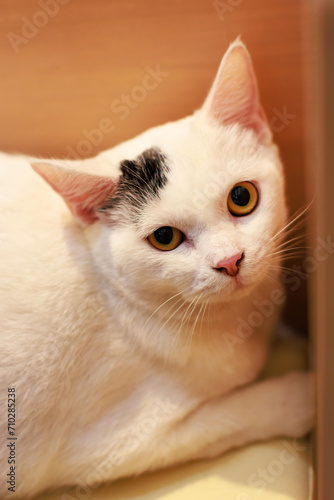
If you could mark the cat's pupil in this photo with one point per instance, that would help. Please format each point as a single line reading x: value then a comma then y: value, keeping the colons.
x: 164, y: 235
x: 240, y: 196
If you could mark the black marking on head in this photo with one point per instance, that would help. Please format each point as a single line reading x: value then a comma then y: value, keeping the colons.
x: 141, y: 180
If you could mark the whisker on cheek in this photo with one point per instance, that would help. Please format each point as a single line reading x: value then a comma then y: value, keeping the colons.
x: 292, y: 223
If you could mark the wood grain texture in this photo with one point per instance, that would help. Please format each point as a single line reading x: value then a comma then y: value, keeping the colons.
x: 320, y: 153
x: 63, y: 80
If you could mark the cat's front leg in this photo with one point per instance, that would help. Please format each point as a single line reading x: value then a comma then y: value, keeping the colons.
x: 282, y: 406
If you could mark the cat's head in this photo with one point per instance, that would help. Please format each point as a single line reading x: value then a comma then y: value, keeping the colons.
x: 190, y: 207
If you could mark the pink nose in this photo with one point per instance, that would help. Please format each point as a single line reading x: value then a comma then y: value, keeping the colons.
x: 230, y: 265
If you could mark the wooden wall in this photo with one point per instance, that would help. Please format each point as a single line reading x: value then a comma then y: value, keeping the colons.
x: 63, y: 78
x: 320, y: 153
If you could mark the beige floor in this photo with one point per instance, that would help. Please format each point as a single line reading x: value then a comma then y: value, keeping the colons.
x: 276, y: 470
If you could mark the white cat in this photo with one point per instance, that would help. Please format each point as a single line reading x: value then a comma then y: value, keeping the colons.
x: 131, y: 323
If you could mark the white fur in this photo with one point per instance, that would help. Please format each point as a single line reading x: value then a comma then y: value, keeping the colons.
x: 106, y: 385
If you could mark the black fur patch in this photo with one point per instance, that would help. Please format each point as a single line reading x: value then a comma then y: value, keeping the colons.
x: 141, y: 180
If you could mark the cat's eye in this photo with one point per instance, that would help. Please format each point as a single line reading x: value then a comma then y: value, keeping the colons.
x: 166, y: 238
x: 242, y: 199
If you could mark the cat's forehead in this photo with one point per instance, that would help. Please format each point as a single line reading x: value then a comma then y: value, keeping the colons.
x: 140, y: 180
x: 188, y: 144
x: 162, y: 137
x: 181, y: 161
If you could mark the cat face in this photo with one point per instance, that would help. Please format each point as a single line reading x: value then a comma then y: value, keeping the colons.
x: 191, y: 207
x: 191, y: 169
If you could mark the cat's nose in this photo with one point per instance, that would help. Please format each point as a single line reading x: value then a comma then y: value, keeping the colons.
x: 230, y: 265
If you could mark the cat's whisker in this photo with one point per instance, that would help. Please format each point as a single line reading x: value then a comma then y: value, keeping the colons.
x: 171, y: 316
x: 289, y: 258
x: 210, y: 315
x: 298, y: 231
x: 174, y: 318
x: 166, y: 313
x: 283, y: 258
x: 291, y: 222
x: 286, y: 243
x: 215, y: 310
x: 293, y: 271
x: 272, y: 277
x: 203, y: 315
x: 287, y: 251
x: 290, y: 236
x: 285, y: 240
x: 197, y: 317
x: 189, y: 314
x: 186, y: 316
x: 287, y: 236
x: 292, y: 247
x: 161, y: 305
x: 289, y: 270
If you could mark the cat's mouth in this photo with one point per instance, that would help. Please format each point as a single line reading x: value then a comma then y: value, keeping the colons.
x: 225, y: 286
x: 233, y: 287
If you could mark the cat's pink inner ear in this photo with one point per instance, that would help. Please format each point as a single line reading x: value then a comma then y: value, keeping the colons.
x: 234, y: 96
x: 84, y: 193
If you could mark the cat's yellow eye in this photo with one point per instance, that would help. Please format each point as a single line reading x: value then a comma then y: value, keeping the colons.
x: 242, y: 199
x: 166, y: 238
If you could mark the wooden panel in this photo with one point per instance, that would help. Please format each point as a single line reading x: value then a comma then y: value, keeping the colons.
x: 61, y: 79
x: 320, y: 154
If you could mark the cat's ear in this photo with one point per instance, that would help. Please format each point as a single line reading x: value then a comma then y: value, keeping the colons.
x: 234, y: 95
x: 84, y: 193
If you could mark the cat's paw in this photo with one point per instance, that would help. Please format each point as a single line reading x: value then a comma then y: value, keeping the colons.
x: 298, y: 398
